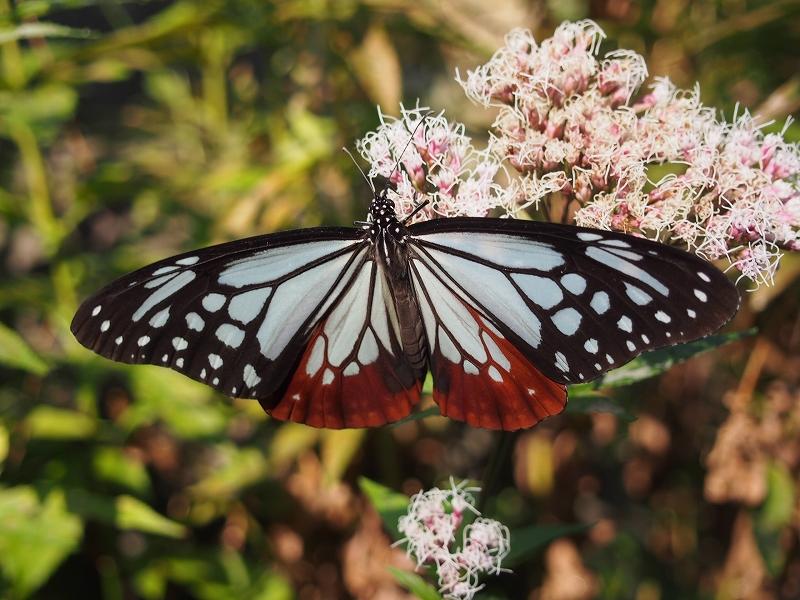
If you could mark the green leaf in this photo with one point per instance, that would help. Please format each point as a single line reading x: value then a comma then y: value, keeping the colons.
x: 15, y: 352
x: 123, y: 512
x: 584, y: 403
x: 529, y: 541
x: 656, y: 362
x: 51, y: 423
x: 113, y: 465
x: 774, y: 514
x: 41, y: 29
x: 237, y: 469
x: 415, y: 584
x: 35, y: 536
x: 390, y: 505
x: 338, y: 448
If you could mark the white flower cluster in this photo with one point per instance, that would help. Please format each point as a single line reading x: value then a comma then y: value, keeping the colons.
x: 438, y: 163
x: 567, y: 123
x: 431, y: 526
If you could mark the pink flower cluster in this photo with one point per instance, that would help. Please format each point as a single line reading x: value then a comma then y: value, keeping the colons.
x: 436, y: 161
x: 579, y: 138
x: 431, y: 525
x: 570, y: 124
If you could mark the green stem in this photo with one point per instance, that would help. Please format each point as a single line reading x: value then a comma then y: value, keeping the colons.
x: 503, y: 447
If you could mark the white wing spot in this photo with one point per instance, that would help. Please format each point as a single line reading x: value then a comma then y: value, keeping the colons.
x: 617, y: 243
x: 179, y: 343
x: 160, y: 318
x: 164, y: 270
x: 598, y: 366
x: 701, y: 295
x: 541, y: 290
x: 561, y: 362
x: 143, y: 341
x: 203, y: 374
x: 176, y: 283
x: 118, y: 341
x: 246, y: 306
x: 626, y: 268
x: 591, y: 346
x: 96, y: 310
x: 213, y: 302
x: 638, y: 295
x: 691, y: 313
x: 215, y: 381
x: 625, y: 324
x: 368, y: 352
x: 215, y: 360
x: 663, y: 317
x: 230, y: 335
x: 179, y: 363
x: 154, y: 283
x: 351, y: 369
x: 195, y: 322
x: 165, y: 358
x: 189, y: 260
x: 316, y: 357
x: 574, y: 283
x: 703, y: 276
x: 631, y: 346
x: 589, y: 237
x: 327, y: 377
x: 495, y: 352
x: 567, y: 320
x: 105, y: 325
x: 645, y: 339
x: 495, y: 374
x: 610, y: 359
x: 600, y: 302
x: 251, y: 378
x: 470, y: 369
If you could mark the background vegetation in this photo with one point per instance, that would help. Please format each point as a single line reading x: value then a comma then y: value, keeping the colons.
x: 130, y: 131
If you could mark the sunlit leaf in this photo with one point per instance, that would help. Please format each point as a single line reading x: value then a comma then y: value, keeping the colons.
x: 35, y: 536
x: 235, y: 469
x: 113, y: 465
x: 122, y: 512
x: 415, y: 584
x: 390, y: 505
x: 49, y: 422
x: 15, y: 353
x: 774, y: 515
x: 41, y: 29
x: 339, y: 446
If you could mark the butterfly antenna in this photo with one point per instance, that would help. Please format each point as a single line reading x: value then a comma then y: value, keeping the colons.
x: 417, y: 208
x: 364, y: 175
x: 408, y: 143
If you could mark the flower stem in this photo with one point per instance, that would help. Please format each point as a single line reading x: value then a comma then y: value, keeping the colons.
x: 503, y: 447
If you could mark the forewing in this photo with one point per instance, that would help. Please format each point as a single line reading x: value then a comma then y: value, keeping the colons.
x: 235, y: 316
x: 575, y: 302
x: 353, y: 372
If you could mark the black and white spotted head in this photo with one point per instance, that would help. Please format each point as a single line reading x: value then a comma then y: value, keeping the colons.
x: 383, y: 218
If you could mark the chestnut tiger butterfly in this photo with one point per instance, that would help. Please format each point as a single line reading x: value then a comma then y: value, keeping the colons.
x: 337, y: 327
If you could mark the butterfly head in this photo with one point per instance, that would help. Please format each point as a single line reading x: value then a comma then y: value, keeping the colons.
x: 383, y: 219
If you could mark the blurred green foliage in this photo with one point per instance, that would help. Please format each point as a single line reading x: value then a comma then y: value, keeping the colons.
x: 130, y: 131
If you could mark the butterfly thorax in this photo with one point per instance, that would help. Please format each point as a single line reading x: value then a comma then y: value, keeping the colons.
x: 391, y: 253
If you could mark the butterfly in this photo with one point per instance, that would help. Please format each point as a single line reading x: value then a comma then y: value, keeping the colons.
x: 337, y: 327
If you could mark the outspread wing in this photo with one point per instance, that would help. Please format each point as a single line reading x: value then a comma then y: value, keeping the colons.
x: 572, y: 302
x: 236, y: 316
